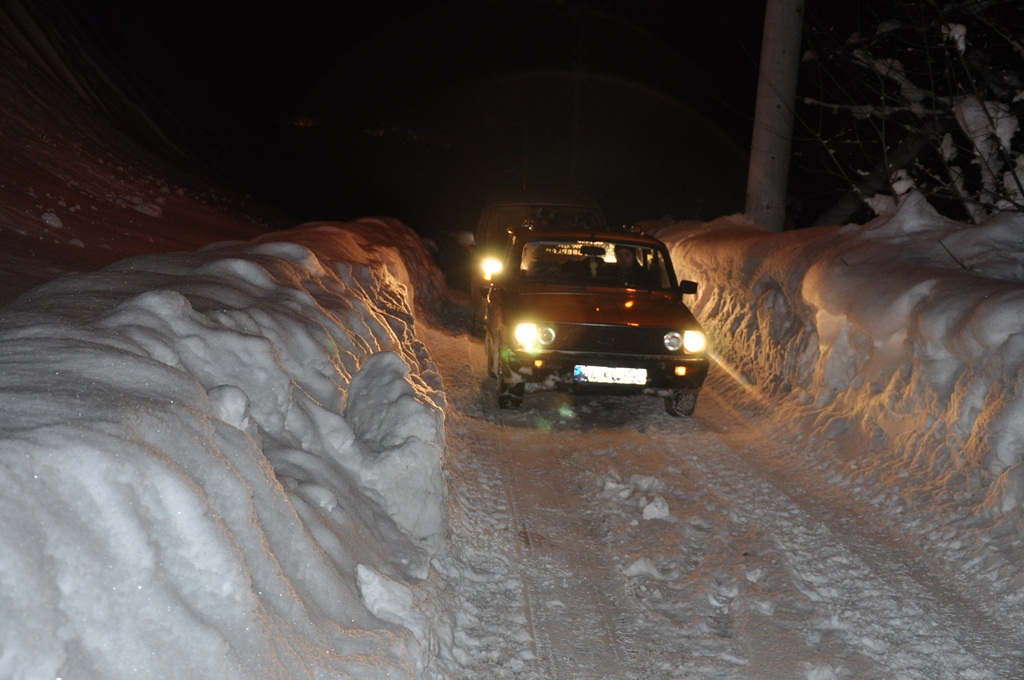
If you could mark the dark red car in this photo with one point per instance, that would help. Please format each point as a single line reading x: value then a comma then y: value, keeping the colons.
x: 592, y: 311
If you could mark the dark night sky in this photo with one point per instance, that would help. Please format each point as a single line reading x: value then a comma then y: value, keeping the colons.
x: 419, y: 109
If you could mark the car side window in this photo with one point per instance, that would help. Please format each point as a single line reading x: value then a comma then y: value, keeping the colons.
x: 658, y: 270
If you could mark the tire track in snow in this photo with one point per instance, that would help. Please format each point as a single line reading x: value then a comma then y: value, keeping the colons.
x: 572, y: 585
x: 560, y: 591
x: 492, y: 638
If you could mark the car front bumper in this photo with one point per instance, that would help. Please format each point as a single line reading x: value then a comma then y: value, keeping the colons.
x: 557, y: 370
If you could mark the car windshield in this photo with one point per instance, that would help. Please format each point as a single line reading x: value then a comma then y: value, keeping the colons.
x: 619, y: 264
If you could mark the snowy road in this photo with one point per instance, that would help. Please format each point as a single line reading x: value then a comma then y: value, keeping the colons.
x: 600, y: 538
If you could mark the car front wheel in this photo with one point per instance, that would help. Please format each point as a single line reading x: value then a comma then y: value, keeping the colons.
x: 681, y: 403
x: 510, y: 395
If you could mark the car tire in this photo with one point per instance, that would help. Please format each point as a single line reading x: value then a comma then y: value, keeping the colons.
x: 510, y: 396
x: 681, y: 403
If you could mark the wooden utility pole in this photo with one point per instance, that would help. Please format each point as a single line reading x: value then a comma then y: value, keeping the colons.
x: 772, y: 139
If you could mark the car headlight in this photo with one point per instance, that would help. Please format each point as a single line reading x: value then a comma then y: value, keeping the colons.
x: 530, y: 335
x: 693, y: 342
x: 490, y: 266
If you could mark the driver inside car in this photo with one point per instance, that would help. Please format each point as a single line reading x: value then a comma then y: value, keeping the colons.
x: 628, y: 268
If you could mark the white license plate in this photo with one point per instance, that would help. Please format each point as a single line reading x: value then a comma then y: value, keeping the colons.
x: 610, y: 375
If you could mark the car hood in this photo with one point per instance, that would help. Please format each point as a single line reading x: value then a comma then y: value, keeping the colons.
x: 602, y: 306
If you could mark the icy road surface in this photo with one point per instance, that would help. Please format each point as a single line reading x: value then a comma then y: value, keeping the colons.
x: 601, y: 538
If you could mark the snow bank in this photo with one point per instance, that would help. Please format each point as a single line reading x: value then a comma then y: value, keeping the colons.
x: 903, y: 339
x: 224, y: 464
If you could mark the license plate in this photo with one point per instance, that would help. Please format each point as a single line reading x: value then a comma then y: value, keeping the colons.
x: 610, y: 375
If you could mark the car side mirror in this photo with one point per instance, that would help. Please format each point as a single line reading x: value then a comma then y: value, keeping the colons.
x: 497, y: 278
x: 688, y: 287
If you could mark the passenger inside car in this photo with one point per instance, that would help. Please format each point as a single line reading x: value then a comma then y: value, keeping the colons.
x: 583, y: 267
x: 541, y: 263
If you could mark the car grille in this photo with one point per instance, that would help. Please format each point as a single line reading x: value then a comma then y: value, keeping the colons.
x: 617, y: 339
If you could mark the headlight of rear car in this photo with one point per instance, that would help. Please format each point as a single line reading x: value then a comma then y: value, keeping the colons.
x: 531, y: 335
x: 490, y: 266
x: 694, y: 342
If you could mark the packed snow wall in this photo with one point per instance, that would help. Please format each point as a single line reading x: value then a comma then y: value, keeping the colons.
x: 906, y: 333
x: 224, y: 463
